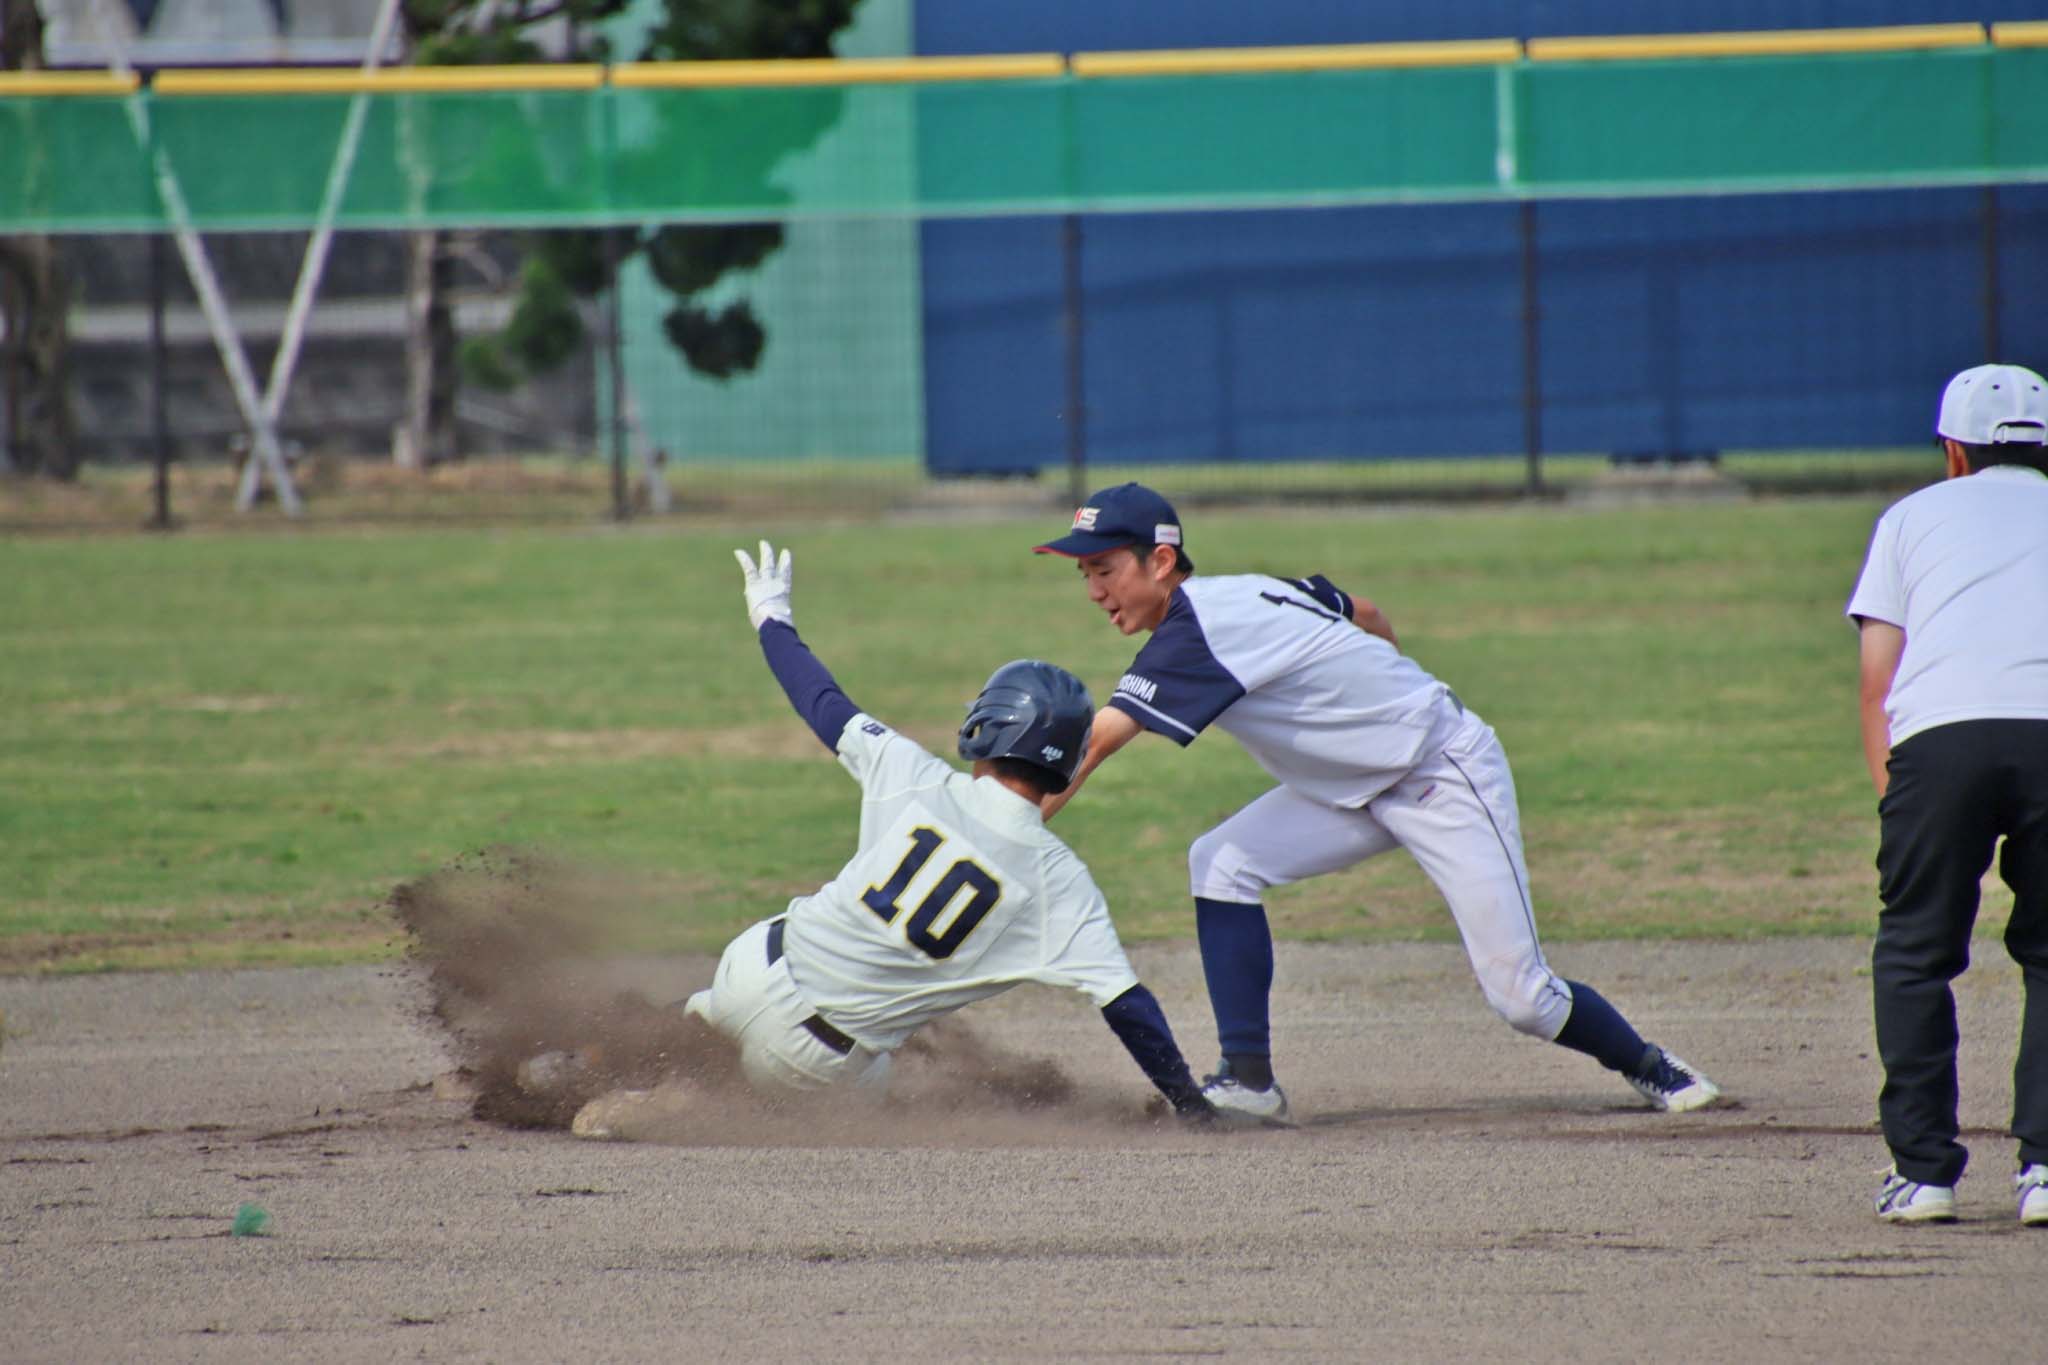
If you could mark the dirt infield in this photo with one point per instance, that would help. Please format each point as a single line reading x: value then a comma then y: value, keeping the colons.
x: 1455, y: 1190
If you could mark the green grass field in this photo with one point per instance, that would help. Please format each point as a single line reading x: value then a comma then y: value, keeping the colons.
x: 230, y: 748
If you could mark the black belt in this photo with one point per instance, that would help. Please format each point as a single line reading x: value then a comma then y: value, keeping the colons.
x: 815, y: 1025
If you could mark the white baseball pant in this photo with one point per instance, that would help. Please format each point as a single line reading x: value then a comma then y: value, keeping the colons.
x: 753, y: 1001
x: 1455, y: 812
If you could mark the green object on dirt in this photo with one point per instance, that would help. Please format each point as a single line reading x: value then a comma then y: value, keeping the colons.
x: 251, y: 1220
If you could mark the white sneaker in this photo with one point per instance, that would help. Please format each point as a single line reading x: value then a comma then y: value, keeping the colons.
x: 1674, y: 1086
x: 1236, y: 1102
x: 1907, y: 1201
x: 2032, y: 1182
x: 609, y: 1117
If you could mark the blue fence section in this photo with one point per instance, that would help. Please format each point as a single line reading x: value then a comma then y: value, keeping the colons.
x: 1804, y: 321
x: 1665, y: 326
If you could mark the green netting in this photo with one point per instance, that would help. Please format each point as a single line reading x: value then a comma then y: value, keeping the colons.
x: 487, y: 157
x: 1045, y: 146
x: 979, y: 149
x: 2018, y: 90
x: 72, y: 163
x: 1295, y: 136
x: 1909, y: 117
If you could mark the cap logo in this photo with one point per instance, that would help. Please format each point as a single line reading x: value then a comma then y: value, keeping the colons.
x: 1166, y: 533
x: 1084, y: 518
x: 1053, y: 753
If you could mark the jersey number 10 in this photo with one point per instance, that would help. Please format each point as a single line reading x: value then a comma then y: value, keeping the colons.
x: 964, y: 875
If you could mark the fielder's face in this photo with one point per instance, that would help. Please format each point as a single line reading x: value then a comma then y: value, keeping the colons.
x: 1133, y: 588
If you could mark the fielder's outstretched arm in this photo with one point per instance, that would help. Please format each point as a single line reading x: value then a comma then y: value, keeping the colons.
x: 1373, y: 621
x: 1141, y: 1024
x: 1112, y: 730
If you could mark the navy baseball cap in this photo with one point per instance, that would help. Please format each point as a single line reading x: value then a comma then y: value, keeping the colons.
x: 1128, y: 514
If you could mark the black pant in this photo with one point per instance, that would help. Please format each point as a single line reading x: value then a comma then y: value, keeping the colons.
x: 1953, y: 791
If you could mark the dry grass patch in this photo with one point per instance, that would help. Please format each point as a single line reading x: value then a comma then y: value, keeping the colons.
x: 184, y: 943
x: 546, y: 748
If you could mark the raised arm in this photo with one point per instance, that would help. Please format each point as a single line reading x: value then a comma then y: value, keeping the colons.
x: 1112, y: 730
x: 807, y: 683
x: 1880, y: 645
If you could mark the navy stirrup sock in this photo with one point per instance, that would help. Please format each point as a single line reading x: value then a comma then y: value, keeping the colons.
x: 1597, y: 1029
x: 1237, y: 961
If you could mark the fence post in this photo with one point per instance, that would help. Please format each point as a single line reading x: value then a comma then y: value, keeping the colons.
x: 159, y: 364
x: 1077, y: 411
x: 1532, y: 378
x: 1994, y: 344
x: 615, y: 385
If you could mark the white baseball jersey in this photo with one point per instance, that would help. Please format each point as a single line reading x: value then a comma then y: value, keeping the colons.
x: 958, y: 892
x: 1329, y: 710
x: 1372, y: 754
x: 1962, y: 568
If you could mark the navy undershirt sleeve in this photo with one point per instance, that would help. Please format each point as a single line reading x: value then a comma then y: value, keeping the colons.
x: 808, y: 683
x: 1325, y: 592
x: 1136, y: 1018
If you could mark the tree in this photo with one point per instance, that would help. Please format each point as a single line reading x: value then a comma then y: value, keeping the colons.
x: 559, y: 268
x: 41, y: 434
x: 461, y: 33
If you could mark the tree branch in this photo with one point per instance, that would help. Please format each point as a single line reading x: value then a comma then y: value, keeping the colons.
x: 540, y: 16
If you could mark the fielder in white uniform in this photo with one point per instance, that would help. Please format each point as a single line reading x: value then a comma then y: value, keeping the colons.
x: 956, y: 892
x: 1370, y: 753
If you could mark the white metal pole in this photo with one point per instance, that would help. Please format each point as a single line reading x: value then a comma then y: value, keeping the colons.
x: 241, y: 379
x: 315, y: 262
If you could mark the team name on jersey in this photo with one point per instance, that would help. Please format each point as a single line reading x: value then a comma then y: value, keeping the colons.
x: 1144, y: 689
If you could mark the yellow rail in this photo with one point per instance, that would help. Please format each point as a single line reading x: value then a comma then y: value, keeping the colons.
x: 1027, y: 66
x: 2032, y: 33
x: 1785, y: 42
x: 14, y: 83
x: 1362, y: 56
x: 835, y: 71
x: 396, y: 80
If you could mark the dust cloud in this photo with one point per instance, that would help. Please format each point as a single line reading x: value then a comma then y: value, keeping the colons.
x: 524, y: 955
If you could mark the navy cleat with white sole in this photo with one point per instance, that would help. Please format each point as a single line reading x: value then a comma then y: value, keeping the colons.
x: 1236, y: 1102
x: 1671, y: 1084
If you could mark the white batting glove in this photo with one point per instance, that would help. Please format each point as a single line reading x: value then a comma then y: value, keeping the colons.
x: 767, y: 585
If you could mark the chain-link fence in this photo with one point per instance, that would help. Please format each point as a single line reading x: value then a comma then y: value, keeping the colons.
x: 1472, y: 269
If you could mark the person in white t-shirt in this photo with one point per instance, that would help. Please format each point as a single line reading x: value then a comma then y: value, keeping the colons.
x: 1370, y: 753
x: 956, y: 890
x: 1952, y: 615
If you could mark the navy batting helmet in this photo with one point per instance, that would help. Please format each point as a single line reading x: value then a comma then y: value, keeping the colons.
x: 1033, y: 711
